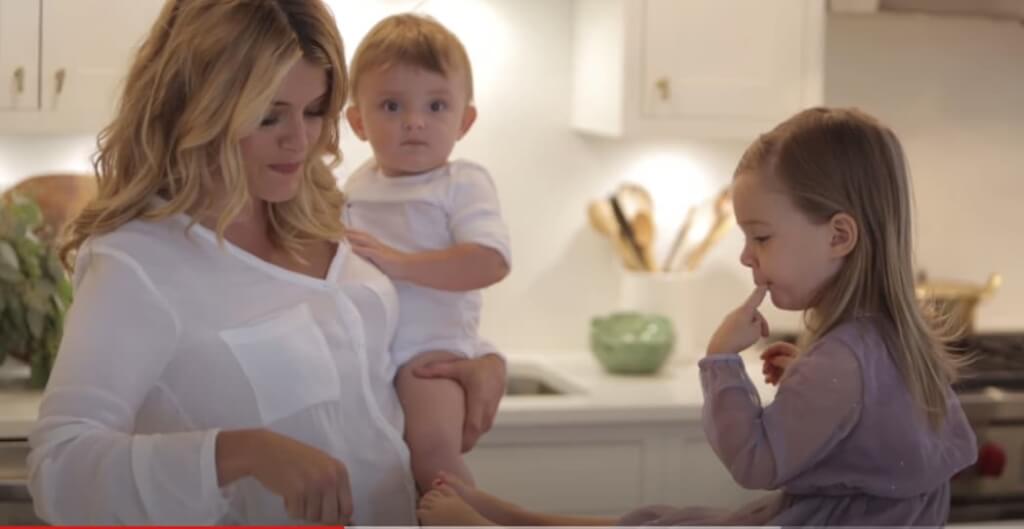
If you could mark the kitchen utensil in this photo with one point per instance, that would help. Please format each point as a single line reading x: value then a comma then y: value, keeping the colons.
x: 603, y: 220
x: 643, y: 230
x: 634, y: 199
x: 631, y: 342
x: 723, y: 221
x: 626, y: 232
x: 954, y: 302
x: 675, y: 252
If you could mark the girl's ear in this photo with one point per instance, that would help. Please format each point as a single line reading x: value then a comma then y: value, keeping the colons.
x: 355, y: 121
x: 845, y: 234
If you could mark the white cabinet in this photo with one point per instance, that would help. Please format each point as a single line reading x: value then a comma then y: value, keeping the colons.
x: 75, y: 54
x: 694, y: 68
x: 19, y: 55
x: 603, y: 469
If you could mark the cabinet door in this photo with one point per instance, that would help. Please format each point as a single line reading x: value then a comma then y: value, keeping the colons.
x: 86, y: 49
x: 724, y: 59
x: 19, y: 55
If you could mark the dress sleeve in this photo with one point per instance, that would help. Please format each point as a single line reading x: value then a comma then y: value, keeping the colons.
x: 86, y: 465
x: 816, y: 406
x: 475, y: 213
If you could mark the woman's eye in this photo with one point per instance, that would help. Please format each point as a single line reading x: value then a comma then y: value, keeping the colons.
x: 268, y: 121
x: 762, y: 239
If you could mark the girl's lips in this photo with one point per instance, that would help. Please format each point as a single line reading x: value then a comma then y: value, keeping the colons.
x: 286, y: 168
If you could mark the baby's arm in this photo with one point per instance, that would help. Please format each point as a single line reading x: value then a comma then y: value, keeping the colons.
x: 461, y: 267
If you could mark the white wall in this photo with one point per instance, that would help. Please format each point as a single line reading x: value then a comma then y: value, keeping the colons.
x: 953, y: 91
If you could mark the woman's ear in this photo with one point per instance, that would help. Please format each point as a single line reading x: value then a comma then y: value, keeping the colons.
x: 355, y: 121
x: 845, y: 234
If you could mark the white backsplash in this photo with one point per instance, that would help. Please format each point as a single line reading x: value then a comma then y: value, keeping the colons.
x: 953, y: 90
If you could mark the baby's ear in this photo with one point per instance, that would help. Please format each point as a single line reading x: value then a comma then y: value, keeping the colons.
x: 845, y: 234
x: 355, y: 121
x: 468, y: 118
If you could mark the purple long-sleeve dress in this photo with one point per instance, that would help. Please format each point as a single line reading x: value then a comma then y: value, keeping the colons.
x: 843, y: 441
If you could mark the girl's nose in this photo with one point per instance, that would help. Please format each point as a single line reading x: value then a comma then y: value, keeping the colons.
x: 747, y: 257
x: 413, y: 121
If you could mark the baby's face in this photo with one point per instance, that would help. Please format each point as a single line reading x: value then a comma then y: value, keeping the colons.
x: 411, y: 116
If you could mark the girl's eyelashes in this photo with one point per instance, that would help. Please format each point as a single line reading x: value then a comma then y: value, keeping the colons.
x: 438, y: 106
x: 389, y: 105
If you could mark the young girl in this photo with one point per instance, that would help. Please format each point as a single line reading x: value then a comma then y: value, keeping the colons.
x: 864, y: 429
x: 432, y: 225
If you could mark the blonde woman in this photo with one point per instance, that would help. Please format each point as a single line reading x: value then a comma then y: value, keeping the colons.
x: 864, y: 429
x: 226, y: 358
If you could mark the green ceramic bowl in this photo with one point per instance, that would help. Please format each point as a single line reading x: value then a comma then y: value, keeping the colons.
x: 631, y: 342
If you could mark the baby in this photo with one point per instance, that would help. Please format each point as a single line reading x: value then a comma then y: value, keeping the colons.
x: 432, y: 225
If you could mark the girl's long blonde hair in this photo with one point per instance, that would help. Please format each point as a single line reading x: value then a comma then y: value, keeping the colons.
x: 832, y: 160
x: 201, y: 81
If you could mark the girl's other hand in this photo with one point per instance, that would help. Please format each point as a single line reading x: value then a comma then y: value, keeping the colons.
x: 742, y: 327
x: 777, y: 358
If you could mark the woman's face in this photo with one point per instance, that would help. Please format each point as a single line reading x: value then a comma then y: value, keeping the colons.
x: 276, y: 152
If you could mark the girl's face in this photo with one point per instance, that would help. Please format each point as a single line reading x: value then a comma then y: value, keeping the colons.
x: 793, y: 256
x: 276, y: 152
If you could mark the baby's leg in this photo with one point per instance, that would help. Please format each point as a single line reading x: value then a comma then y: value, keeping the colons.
x: 435, y: 410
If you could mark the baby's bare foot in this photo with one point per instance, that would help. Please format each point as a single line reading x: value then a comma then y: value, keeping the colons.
x: 498, y: 511
x: 443, y: 506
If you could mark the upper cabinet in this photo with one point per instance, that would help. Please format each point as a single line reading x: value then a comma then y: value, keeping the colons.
x: 694, y: 68
x: 63, y: 61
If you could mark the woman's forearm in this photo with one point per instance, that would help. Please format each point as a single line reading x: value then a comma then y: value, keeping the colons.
x: 233, y: 449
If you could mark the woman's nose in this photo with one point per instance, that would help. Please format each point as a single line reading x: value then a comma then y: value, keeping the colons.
x: 295, y: 136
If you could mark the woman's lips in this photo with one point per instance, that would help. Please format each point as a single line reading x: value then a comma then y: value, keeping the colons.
x: 285, y: 168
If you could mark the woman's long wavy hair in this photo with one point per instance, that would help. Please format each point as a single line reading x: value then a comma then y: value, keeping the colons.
x: 201, y: 81
x: 833, y: 160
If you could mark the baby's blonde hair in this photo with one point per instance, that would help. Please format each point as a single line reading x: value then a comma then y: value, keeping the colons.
x: 834, y: 160
x: 412, y: 40
x: 201, y: 81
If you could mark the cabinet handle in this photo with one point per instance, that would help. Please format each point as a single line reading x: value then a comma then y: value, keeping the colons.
x: 664, y: 88
x: 60, y: 75
x: 19, y: 79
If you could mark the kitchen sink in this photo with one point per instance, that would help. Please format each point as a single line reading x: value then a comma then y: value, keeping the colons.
x: 529, y: 379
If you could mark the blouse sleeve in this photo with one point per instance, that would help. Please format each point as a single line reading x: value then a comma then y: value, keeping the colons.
x: 816, y: 406
x: 86, y: 465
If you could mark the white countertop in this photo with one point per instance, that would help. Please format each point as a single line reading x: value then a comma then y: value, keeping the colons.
x: 672, y: 395
x: 593, y: 396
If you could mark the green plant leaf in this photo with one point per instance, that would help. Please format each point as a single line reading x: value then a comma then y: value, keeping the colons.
x: 36, y: 320
x: 26, y: 213
x: 9, y: 257
x: 54, y: 268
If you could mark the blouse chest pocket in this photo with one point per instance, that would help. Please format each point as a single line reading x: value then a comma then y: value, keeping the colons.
x: 287, y: 362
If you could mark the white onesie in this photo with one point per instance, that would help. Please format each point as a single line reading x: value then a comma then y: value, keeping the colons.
x: 455, y: 203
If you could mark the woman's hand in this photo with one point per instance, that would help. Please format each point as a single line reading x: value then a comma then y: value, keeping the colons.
x: 742, y: 327
x: 314, y: 486
x: 483, y: 380
x: 777, y: 358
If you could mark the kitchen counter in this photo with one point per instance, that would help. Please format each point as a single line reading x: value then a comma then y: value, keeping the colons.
x: 19, y: 405
x: 590, y: 395
x: 595, y: 396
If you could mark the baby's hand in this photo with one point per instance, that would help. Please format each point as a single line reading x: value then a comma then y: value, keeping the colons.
x: 742, y: 327
x: 388, y: 259
x: 777, y: 358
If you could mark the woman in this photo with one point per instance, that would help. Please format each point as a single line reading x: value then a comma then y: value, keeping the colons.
x: 226, y: 358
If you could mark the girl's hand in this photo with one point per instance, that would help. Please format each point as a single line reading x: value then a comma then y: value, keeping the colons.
x: 483, y: 380
x: 314, y: 486
x: 777, y: 358
x: 390, y: 261
x: 741, y: 328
